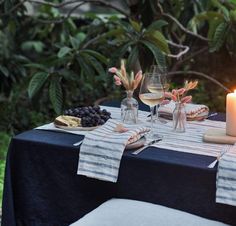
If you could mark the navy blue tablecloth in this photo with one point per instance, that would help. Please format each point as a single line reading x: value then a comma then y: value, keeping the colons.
x: 42, y: 188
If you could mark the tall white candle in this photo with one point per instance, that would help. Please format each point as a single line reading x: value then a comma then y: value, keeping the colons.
x: 231, y: 114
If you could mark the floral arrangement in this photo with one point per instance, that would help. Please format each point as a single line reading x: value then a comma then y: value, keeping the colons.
x: 121, y: 77
x: 179, y: 95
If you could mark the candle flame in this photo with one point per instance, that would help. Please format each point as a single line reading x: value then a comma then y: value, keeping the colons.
x: 235, y: 91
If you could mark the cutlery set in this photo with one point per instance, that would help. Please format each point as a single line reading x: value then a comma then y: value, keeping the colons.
x: 135, y: 152
x: 145, y: 146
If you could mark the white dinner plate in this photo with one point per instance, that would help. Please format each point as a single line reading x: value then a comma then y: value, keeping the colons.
x: 78, y: 128
x: 137, y: 144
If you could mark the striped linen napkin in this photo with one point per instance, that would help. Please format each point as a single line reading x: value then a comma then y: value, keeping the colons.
x: 193, y: 111
x: 226, y: 178
x: 102, y: 149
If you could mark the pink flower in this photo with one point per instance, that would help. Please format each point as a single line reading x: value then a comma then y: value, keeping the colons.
x: 174, y: 92
x: 174, y: 98
x: 138, y: 78
x: 116, y: 78
x: 186, y: 99
x: 181, y: 91
x: 170, y: 95
x: 113, y: 69
x: 118, y: 83
x: 122, y: 68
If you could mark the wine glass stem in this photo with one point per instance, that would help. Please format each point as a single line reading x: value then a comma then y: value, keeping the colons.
x: 157, y: 116
x: 152, y: 113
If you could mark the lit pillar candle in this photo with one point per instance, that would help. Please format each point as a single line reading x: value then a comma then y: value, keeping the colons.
x: 231, y: 114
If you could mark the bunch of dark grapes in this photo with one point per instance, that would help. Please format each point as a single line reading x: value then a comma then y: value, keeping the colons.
x: 90, y: 116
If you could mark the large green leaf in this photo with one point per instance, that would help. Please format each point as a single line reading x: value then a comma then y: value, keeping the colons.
x: 75, y: 42
x: 36, y: 83
x: 213, y: 24
x: 157, y: 38
x: 68, y: 75
x: 223, y: 9
x: 96, y: 65
x: 219, y: 37
x: 63, y: 51
x: 199, y: 19
x: 38, y: 46
x: 84, y: 65
x: 158, y: 55
x: 114, y: 32
x: 232, y: 14
x: 98, y: 55
x: 55, y: 94
x: 133, y: 57
x: 37, y: 66
x: 119, y: 53
x: 157, y: 25
x: 137, y: 27
x: 4, y: 70
x: 209, y: 15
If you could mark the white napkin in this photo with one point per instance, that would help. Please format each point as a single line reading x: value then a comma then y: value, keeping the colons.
x: 102, y: 149
x: 193, y: 111
x: 226, y: 178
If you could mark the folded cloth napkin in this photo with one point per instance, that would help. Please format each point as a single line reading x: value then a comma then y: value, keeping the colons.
x: 226, y: 178
x: 193, y: 111
x: 102, y: 149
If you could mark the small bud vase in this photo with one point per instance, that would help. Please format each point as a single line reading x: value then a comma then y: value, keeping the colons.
x: 179, y: 118
x: 129, y: 109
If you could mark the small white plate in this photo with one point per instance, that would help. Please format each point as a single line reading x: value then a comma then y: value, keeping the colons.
x: 137, y: 144
x: 79, y: 128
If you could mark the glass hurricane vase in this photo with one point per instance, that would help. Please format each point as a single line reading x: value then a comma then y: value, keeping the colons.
x: 129, y: 109
x: 179, y: 118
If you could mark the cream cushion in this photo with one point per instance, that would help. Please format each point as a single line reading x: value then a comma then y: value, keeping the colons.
x: 124, y: 212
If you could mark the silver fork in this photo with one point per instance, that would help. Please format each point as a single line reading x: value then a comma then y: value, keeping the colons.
x: 212, y: 165
x: 145, y: 146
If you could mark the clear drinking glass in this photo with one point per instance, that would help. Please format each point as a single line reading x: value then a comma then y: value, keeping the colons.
x: 165, y: 81
x: 151, y: 93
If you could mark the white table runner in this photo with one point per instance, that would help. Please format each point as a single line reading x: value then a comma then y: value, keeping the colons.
x: 190, y: 141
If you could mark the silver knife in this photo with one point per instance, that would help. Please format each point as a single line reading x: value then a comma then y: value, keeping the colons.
x: 146, y: 145
x: 78, y: 143
x: 212, y: 165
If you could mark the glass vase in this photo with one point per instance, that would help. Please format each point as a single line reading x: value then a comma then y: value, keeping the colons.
x: 179, y: 118
x: 129, y: 109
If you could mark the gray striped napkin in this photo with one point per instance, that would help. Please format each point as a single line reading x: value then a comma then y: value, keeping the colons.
x: 102, y: 149
x: 192, y: 110
x: 226, y: 178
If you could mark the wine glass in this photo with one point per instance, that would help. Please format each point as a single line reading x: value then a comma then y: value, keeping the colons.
x: 160, y: 71
x: 151, y: 93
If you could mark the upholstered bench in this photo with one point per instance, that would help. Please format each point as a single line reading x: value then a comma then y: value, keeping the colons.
x: 124, y: 212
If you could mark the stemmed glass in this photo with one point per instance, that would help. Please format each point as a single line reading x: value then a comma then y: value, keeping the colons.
x: 161, y: 71
x: 151, y: 93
